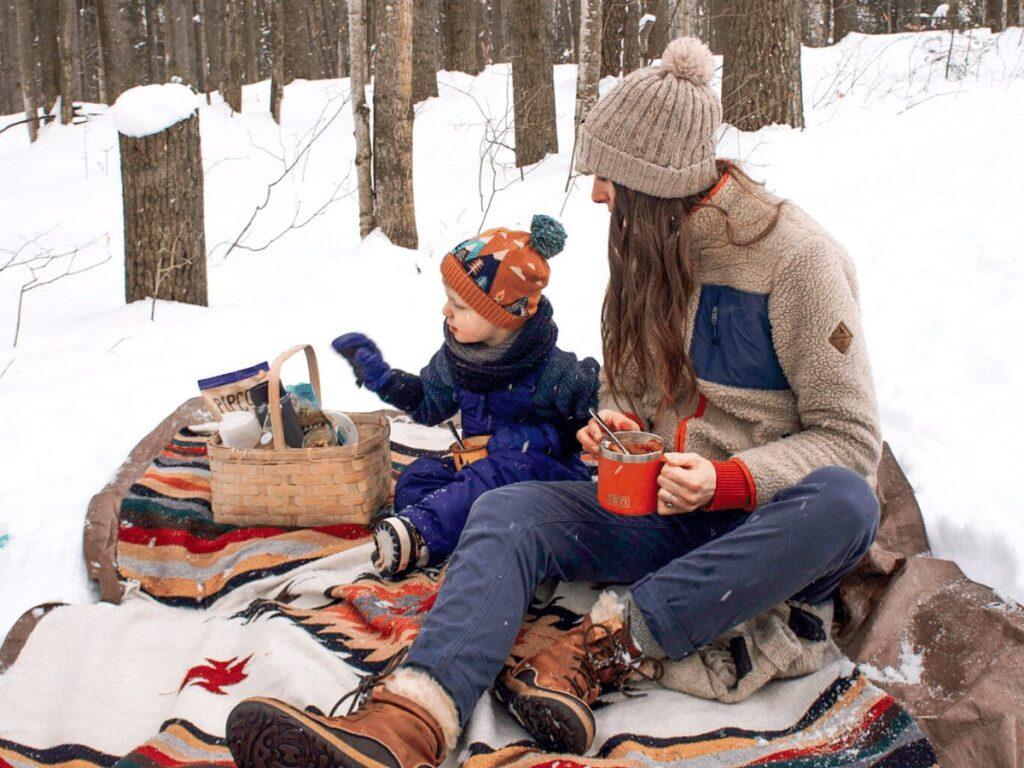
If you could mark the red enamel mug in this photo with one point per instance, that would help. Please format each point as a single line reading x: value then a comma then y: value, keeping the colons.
x: 627, y: 483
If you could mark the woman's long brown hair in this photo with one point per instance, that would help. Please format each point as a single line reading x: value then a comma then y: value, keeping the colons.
x: 644, y: 317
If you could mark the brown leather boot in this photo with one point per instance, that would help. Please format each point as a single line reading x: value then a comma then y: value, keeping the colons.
x: 550, y: 693
x: 382, y: 730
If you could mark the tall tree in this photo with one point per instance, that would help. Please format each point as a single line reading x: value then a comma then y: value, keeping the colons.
x: 180, y: 40
x: 631, y: 48
x: 1013, y: 13
x: 657, y: 34
x: 845, y: 18
x: 612, y: 29
x: 761, y: 79
x: 93, y: 79
x: 813, y: 23
x: 250, y: 39
x: 501, y: 46
x: 202, y: 48
x: 681, y: 19
x: 154, y: 32
x: 588, y: 73
x: 392, y: 125
x: 533, y: 89
x: 122, y: 41
x: 361, y: 113
x: 47, y: 15
x: 70, y: 81
x: 460, y: 33
x: 11, y: 100
x: 233, y: 69
x: 28, y: 63
x: 277, y: 47
x: 426, y: 51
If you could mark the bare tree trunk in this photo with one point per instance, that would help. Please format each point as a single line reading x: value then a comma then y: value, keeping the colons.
x: 425, y: 50
x: 68, y: 81
x: 657, y: 33
x: 216, y: 45
x: 761, y: 80
x: 343, y: 42
x: 28, y: 62
x: 392, y: 125
x: 993, y: 14
x: 631, y: 48
x: 844, y: 18
x: 318, y: 62
x: 180, y: 40
x: 588, y: 72
x: 233, y: 70
x: 277, y: 46
x: 361, y: 113
x: 202, y: 52
x: 826, y: 20
x: 460, y: 22
x: 10, y: 73
x: 250, y: 36
x: 1013, y: 13
x: 47, y: 16
x: 153, y: 35
x: 122, y: 43
x: 533, y: 89
x: 611, y: 41
x: 500, y: 45
x: 681, y: 19
x: 91, y: 55
x: 813, y: 30
x: 164, y: 242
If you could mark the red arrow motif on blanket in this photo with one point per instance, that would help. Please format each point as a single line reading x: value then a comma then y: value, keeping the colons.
x: 215, y: 675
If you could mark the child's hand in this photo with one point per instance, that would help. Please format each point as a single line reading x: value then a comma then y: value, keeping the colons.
x: 590, y: 436
x: 365, y: 358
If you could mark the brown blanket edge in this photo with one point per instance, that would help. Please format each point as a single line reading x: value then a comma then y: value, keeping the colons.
x: 18, y: 634
x: 99, y: 538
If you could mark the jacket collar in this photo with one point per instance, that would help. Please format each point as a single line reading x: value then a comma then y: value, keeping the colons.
x: 747, y: 207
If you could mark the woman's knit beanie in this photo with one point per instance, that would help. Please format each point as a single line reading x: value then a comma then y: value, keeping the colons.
x: 501, y: 273
x: 656, y: 131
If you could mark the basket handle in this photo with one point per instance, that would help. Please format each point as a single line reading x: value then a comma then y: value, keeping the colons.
x: 274, y: 390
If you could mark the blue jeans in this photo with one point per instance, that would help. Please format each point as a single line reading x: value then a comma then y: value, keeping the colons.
x: 693, y: 576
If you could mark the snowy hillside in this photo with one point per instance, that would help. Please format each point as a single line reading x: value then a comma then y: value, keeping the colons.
x: 921, y: 178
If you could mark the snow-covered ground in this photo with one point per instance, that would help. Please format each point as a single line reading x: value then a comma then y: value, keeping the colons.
x: 922, y: 178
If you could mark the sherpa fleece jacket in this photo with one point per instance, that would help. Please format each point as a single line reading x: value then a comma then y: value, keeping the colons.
x: 774, y: 334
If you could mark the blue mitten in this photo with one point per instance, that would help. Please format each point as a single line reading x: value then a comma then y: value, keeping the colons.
x: 538, y: 438
x: 366, y: 360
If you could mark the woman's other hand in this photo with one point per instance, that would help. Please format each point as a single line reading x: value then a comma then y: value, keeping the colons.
x: 590, y: 436
x: 687, y: 482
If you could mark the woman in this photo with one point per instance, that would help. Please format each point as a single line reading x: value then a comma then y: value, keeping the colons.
x: 731, y: 328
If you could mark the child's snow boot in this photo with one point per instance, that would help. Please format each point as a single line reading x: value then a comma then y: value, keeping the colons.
x: 397, y: 547
x: 551, y: 692
x: 409, y: 722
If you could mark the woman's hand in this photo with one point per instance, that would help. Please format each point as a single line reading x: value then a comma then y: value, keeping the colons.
x: 590, y: 436
x: 687, y: 482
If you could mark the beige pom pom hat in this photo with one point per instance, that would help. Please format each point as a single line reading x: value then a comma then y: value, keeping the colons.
x: 656, y: 131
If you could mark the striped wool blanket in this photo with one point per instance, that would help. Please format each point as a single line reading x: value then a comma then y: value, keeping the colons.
x: 150, y: 684
x: 169, y: 544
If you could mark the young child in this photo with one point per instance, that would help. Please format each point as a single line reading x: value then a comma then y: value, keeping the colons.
x: 500, y: 367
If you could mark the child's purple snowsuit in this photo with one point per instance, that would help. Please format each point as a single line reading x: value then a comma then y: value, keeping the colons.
x: 437, y: 499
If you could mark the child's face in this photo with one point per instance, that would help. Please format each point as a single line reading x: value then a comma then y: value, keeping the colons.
x: 467, y: 325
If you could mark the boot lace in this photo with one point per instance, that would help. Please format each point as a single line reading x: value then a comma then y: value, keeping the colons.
x: 361, y: 693
x: 605, y: 655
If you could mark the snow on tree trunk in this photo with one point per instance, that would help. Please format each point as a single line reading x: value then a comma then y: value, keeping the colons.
x: 162, y: 186
x: 277, y: 33
x: 631, y: 37
x: 69, y: 83
x: 361, y: 113
x: 233, y: 55
x: 392, y: 125
x: 533, y: 90
x: 28, y: 64
x: 426, y: 52
x: 761, y: 52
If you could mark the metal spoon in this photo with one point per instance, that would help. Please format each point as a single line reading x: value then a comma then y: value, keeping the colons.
x: 455, y: 432
x: 607, y: 429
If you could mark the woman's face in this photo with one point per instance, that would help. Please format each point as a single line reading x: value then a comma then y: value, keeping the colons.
x: 603, y: 192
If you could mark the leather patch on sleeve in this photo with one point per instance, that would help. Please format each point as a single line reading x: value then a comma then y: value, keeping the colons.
x: 841, y: 338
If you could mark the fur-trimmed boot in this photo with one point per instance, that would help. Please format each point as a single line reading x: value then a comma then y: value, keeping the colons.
x: 550, y: 693
x: 408, y: 721
x: 397, y: 547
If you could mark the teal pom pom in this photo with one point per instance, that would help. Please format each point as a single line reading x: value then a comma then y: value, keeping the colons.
x: 547, y: 235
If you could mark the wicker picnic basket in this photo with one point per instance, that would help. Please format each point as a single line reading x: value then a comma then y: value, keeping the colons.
x: 302, y: 487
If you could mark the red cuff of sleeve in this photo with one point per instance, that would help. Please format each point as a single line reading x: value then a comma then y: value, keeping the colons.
x: 735, y: 487
x: 635, y: 418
